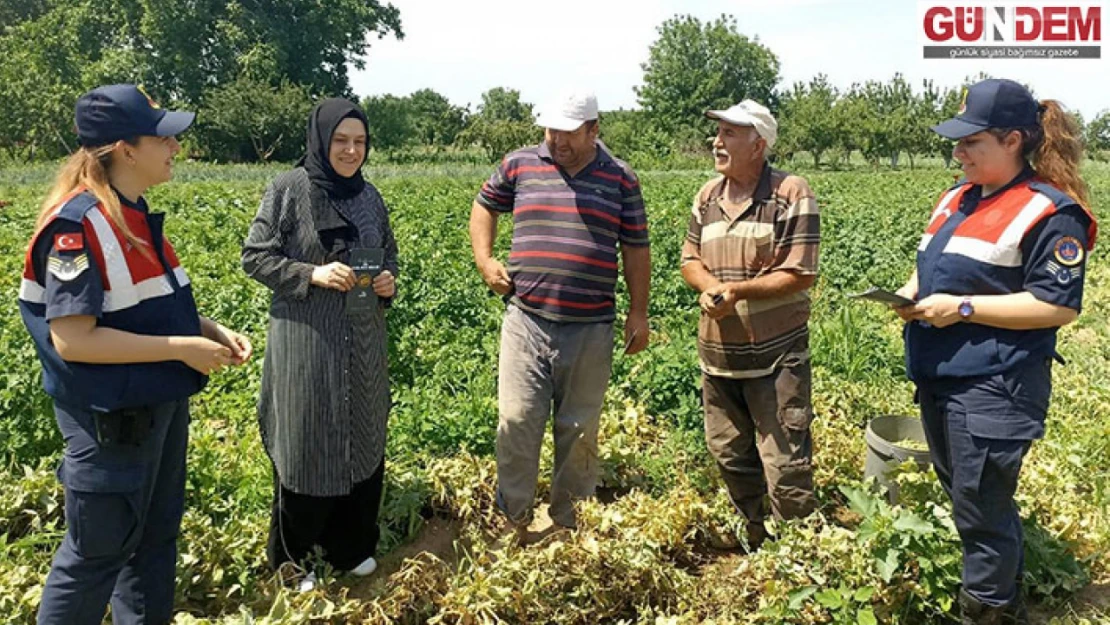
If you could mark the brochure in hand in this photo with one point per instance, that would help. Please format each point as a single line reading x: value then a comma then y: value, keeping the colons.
x: 883, y: 296
x: 367, y: 264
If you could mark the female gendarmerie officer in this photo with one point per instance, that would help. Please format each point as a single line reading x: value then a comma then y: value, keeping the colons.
x: 122, y: 348
x: 999, y: 269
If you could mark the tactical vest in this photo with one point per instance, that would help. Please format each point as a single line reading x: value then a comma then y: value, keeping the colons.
x: 980, y: 254
x: 146, y: 291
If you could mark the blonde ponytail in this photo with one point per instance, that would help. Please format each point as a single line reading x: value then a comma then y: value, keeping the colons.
x: 87, y: 168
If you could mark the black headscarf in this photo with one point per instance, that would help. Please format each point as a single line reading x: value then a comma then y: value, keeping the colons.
x: 322, y: 122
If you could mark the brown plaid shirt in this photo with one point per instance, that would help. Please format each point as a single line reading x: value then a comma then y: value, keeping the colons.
x: 778, y: 229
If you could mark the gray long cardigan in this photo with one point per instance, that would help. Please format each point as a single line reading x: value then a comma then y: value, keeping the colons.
x: 325, y: 379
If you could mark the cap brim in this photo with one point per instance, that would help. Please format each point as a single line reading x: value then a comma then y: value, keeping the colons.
x: 557, y: 122
x: 174, y: 123
x: 734, y: 120
x: 957, y: 128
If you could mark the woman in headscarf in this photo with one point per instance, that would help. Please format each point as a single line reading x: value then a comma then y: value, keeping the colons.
x: 325, y: 381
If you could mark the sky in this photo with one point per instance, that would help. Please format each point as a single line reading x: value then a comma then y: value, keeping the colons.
x: 463, y: 48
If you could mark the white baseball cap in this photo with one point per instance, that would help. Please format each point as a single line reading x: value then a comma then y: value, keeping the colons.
x: 750, y: 113
x: 569, y: 111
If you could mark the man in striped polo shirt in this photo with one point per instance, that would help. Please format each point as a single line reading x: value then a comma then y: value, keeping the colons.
x: 573, y: 206
x: 751, y: 252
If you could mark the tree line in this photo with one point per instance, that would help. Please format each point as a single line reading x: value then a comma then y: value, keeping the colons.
x: 244, y: 65
x: 252, y: 69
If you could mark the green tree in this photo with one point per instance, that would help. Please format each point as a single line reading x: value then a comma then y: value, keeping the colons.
x: 629, y: 135
x: 303, y: 41
x: 247, y: 120
x: 391, y: 122
x: 46, y: 63
x: 898, y: 106
x: 694, y: 66
x: 504, y: 104
x: 435, y: 120
x: 1097, y: 135
x: 13, y: 12
x: 924, y: 112
x: 935, y: 105
x: 884, y: 119
x: 806, y: 122
x: 503, y: 123
x: 855, y: 111
x: 53, y: 50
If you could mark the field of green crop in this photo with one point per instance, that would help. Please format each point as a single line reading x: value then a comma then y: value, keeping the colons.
x: 649, y: 550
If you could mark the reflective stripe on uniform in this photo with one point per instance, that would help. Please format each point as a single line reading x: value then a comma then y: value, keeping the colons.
x: 122, y: 292
x: 1006, y: 250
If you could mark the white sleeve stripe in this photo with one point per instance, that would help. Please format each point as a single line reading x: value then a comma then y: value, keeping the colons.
x: 32, y: 292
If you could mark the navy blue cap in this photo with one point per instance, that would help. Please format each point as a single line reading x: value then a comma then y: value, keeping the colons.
x: 113, y: 112
x: 992, y: 103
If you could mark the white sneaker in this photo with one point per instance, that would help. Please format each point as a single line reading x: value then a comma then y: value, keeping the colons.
x: 308, y: 584
x: 368, y: 566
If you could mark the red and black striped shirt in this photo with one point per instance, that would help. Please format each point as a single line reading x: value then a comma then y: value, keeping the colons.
x: 566, y: 230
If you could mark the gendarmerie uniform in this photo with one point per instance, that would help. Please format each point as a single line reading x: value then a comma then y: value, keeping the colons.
x: 125, y: 425
x: 984, y: 391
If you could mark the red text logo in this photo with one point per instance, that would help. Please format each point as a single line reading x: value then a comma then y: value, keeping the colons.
x: 1012, y: 24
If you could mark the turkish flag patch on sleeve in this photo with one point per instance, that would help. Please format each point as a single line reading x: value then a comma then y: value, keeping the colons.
x: 69, y: 242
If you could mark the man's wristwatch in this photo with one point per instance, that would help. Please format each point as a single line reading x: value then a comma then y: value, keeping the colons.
x: 966, y: 309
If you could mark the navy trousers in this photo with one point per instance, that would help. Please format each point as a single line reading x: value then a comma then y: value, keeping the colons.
x: 977, y: 432
x: 123, y: 508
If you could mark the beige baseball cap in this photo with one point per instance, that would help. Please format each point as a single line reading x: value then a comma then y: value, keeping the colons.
x: 750, y: 113
x: 569, y: 111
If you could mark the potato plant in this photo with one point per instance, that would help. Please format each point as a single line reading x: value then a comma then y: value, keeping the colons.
x: 654, y: 547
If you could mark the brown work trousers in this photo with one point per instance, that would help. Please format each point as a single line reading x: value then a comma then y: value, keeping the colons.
x: 758, y: 431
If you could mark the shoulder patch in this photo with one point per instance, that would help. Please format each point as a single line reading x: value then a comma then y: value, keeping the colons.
x: 69, y: 242
x: 67, y: 268
x: 1068, y: 251
x: 1063, y: 275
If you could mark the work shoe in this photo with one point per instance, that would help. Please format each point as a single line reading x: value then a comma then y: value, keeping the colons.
x: 1015, y: 612
x: 975, y: 612
x: 757, y: 535
x: 308, y: 584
